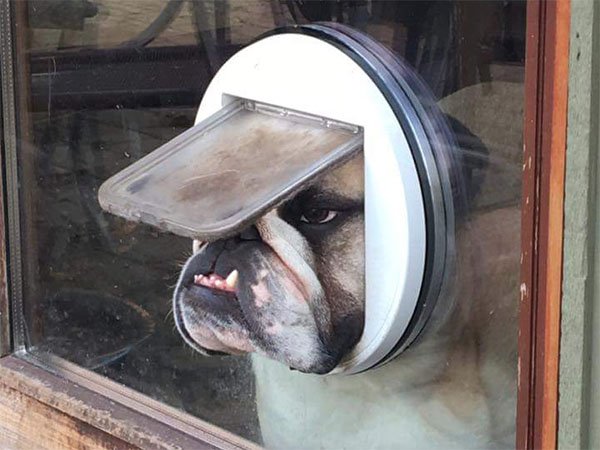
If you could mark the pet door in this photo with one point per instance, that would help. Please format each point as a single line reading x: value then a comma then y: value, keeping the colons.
x: 222, y: 174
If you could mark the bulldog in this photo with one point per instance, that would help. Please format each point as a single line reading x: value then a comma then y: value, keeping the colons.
x: 290, y: 289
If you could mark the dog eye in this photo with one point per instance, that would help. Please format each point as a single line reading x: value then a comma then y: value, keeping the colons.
x: 317, y: 216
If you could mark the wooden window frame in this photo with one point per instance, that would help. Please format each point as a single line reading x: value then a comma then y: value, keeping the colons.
x: 50, y: 402
x: 545, y: 132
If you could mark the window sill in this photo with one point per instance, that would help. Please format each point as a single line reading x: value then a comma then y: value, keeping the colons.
x: 55, y: 404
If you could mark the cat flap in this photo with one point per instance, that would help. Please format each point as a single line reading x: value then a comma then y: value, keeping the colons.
x: 218, y: 177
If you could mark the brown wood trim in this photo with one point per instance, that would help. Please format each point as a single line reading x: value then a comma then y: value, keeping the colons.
x: 546, y: 77
x: 552, y: 196
x: 130, y: 423
x: 26, y: 423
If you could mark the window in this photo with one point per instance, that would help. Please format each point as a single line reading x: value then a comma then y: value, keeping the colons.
x: 106, y: 82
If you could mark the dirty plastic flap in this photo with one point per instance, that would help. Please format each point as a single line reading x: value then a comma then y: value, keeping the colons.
x: 219, y: 176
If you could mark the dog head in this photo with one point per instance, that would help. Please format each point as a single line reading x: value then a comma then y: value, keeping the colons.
x: 290, y: 287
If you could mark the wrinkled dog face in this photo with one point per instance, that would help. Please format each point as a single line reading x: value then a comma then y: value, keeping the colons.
x: 291, y: 287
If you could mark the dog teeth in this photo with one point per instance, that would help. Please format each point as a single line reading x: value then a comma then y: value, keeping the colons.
x: 215, y: 281
x: 196, y: 244
x: 231, y: 280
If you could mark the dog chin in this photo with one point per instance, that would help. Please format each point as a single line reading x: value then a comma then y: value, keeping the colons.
x: 268, y: 311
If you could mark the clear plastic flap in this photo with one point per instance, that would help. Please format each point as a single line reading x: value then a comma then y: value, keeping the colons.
x: 220, y: 175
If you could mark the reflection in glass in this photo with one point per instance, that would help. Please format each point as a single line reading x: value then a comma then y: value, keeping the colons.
x: 111, y: 80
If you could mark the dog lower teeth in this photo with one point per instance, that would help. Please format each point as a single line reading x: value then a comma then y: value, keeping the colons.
x: 215, y: 281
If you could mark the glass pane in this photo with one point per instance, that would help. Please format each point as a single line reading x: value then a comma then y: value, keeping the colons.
x: 109, y: 81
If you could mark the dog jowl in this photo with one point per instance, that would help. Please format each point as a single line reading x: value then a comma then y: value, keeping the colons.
x: 290, y: 287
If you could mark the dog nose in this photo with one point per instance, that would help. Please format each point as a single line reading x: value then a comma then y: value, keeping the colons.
x: 250, y: 234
